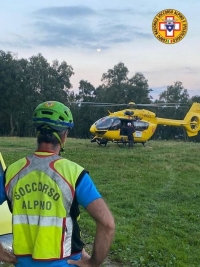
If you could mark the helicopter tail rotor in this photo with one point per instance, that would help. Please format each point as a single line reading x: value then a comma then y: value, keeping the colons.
x: 192, y: 119
x: 194, y: 123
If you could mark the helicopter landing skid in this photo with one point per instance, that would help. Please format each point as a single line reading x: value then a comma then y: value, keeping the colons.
x: 101, y: 142
x: 122, y: 143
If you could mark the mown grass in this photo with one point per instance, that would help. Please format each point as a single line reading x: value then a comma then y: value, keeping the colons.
x: 153, y: 193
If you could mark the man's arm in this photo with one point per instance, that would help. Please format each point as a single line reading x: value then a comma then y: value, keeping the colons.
x: 105, y: 229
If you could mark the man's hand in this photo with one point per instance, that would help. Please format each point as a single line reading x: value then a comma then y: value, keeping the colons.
x: 83, y: 262
x: 85, y: 255
x: 6, y: 256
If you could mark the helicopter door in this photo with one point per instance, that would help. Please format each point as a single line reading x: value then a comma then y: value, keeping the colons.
x: 140, y: 126
x: 116, y: 125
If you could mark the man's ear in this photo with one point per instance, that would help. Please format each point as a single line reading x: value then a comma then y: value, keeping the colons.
x: 64, y: 136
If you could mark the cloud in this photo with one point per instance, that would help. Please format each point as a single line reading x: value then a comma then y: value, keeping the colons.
x: 85, y: 27
x: 129, y: 11
x: 56, y: 34
x: 79, y: 27
x: 189, y: 70
x: 66, y: 12
x: 15, y: 40
x: 84, y: 11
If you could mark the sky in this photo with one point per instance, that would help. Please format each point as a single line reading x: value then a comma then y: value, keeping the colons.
x: 93, y: 36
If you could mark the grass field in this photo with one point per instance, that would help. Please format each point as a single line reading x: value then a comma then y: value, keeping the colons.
x: 153, y: 193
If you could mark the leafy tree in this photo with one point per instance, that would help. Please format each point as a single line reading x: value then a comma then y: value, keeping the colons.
x: 173, y: 94
x: 50, y: 82
x: 12, y: 89
x: 86, y: 90
x: 114, y: 83
x: 195, y: 98
x: 84, y: 113
x: 138, y: 89
x: 119, y: 88
x: 24, y: 84
x: 116, y: 76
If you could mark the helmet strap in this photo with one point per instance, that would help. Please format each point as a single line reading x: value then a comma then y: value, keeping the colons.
x: 62, y: 145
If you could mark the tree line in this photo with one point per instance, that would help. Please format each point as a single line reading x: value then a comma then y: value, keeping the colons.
x: 24, y: 83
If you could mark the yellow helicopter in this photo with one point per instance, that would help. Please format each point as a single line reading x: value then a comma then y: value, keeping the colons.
x: 109, y: 128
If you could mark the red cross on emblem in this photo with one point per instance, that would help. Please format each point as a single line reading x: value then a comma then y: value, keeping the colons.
x: 169, y: 26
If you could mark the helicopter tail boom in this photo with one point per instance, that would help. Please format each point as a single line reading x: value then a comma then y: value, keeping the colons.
x: 191, y: 122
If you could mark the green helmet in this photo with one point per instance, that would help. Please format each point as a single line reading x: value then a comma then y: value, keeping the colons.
x: 53, y: 114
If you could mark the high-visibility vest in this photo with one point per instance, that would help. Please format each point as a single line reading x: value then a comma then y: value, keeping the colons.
x: 41, y: 189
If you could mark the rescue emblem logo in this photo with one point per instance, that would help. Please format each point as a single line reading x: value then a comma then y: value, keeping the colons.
x: 169, y: 26
x: 49, y: 104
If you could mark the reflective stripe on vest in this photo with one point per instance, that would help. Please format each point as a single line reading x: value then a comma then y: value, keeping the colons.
x: 41, y: 191
x: 33, y: 220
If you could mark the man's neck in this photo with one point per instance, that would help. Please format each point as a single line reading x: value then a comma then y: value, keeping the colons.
x: 49, y: 147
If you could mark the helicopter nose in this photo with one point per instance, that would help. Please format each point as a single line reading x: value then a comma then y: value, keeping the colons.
x: 92, y: 129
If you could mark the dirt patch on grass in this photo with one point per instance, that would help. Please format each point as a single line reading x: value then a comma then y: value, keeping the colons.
x: 109, y: 263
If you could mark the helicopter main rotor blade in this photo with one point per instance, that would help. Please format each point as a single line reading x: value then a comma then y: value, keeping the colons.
x: 126, y: 105
x: 160, y: 104
x: 129, y: 105
x: 108, y: 105
x: 90, y: 103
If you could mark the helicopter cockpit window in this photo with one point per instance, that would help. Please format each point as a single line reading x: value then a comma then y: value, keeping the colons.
x: 105, y: 123
x: 141, y: 125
